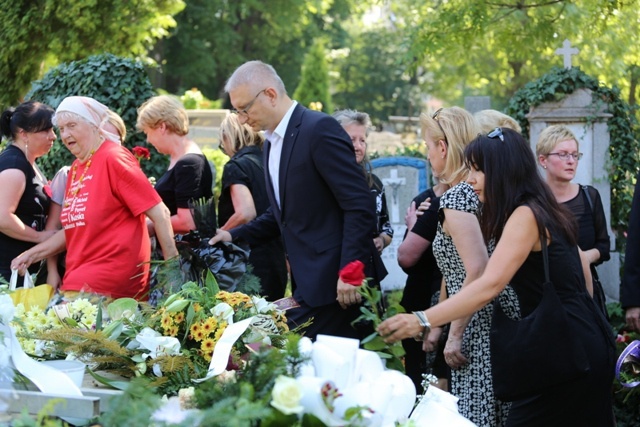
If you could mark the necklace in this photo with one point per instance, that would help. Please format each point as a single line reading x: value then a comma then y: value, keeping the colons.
x: 71, y: 197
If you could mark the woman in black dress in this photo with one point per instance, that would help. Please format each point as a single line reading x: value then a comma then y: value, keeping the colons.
x: 559, y: 154
x: 189, y: 177
x: 244, y: 197
x: 24, y: 201
x: 519, y: 209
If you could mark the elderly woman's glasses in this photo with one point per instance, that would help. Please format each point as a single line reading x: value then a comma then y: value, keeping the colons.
x: 565, y: 156
x: 245, y: 111
x: 435, y: 117
x: 496, y: 133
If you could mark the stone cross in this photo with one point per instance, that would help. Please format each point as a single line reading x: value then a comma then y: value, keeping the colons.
x: 394, y: 182
x: 567, y: 51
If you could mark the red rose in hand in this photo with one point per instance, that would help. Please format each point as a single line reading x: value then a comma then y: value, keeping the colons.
x: 353, y: 273
x: 141, y: 153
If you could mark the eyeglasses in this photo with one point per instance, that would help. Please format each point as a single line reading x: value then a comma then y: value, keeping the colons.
x: 435, y: 117
x: 496, y: 133
x: 565, y: 156
x: 245, y: 111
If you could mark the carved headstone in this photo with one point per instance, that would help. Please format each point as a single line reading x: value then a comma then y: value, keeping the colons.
x: 204, y: 126
x: 588, y: 121
x: 403, y: 179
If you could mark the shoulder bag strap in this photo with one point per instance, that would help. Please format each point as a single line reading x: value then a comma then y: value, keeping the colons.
x: 586, y: 193
x: 545, y: 258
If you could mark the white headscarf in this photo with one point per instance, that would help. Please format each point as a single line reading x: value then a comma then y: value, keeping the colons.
x: 89, y: 109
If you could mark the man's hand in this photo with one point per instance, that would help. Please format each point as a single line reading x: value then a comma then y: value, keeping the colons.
x: 347, y: 294
x: 632, y: 316
x: 221, y: 236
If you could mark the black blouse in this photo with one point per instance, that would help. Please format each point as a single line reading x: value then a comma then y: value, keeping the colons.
x: 592, y: 224
x: 32, y: 207
x: 189, y: 179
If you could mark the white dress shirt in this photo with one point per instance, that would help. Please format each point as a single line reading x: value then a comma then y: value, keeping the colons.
x: 276, y: 139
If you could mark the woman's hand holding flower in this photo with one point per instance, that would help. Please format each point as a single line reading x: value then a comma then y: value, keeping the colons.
x: 399, y: 327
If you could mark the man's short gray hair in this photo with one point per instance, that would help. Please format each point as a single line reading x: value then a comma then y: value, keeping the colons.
x: 256, y: 74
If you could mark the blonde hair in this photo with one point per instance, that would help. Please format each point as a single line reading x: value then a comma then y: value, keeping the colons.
x: 163, y: 109
x: 488, y: 120
x: 457, y: 127
x: 239, y: 135
x: 117, y: 122
x: 551, y: 136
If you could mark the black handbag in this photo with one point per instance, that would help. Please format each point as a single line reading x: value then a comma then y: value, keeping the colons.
x: 535, y: 353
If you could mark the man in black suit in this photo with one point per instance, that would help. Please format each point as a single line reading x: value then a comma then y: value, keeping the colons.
x: 319, y: 199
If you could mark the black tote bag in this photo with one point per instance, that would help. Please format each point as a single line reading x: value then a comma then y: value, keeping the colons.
x: 535, y: 353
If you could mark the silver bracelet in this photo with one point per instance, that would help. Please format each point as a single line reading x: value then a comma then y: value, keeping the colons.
x: 424, y: 322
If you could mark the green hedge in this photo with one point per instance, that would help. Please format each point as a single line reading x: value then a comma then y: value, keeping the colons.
x: 122, y: 84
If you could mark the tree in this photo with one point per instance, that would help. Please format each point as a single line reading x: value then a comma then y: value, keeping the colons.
x: 313, y: 89
x: 488, y: 47
x: 32, y: 31
x: 372, y: 77
x: 213, y: 37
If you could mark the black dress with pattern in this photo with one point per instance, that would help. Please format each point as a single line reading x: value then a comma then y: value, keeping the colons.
x: 586, y: 401
x: 472, y: 383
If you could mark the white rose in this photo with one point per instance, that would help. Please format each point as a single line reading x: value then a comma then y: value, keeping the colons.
x: 286, y: 395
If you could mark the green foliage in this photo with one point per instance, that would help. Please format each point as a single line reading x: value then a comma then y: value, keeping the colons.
x: 313, y: 89
x: 193, y: 99
x: 132, y: 408
x: 216, y: 36
x: 66, y: 30
x: 371, y: 312
x: 244, y: 400
x: 624, y: 147
x: 372, y: 76
x: 219, y: 159
x: 121, y: 84
x: 483, y: 47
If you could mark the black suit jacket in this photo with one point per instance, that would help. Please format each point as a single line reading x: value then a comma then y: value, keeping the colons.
x: 326, y: 215
x: 630, y: 287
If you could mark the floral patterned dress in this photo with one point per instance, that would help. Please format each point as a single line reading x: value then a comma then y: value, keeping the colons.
x: 472, y: 383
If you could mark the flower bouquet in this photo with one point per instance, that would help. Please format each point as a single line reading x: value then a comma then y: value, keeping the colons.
x: 170, y: 345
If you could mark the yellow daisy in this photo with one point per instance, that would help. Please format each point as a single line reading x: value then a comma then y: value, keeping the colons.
x: 207, y: 347
x: 179, y: 317
x: 195, y: 328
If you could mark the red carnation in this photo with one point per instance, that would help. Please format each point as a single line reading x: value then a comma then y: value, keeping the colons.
x: 141, y: 153
x: 353, y: 273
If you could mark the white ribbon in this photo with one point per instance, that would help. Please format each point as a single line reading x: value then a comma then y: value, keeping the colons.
x: 47, y: 379
x: 220, y: 357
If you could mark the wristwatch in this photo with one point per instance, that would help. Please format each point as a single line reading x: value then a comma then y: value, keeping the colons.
x: 424, y: 322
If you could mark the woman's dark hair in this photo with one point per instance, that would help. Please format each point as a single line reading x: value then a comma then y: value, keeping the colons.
x: 30, y: 116
x: 511, y: 179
